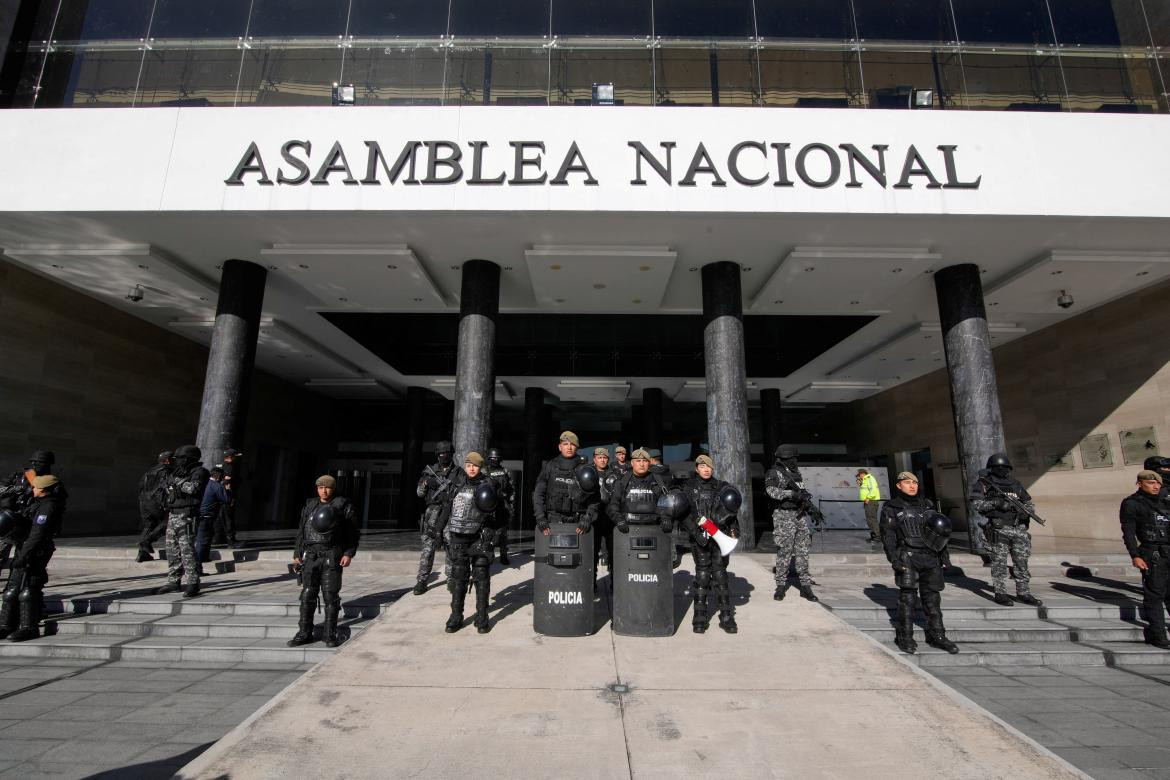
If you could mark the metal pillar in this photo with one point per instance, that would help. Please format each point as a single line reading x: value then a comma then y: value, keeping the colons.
x: 479, y: 303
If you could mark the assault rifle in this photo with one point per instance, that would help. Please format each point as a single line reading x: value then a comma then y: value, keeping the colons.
x: 444, y: 482
x: 808, y: 504
x: 1010, y: 500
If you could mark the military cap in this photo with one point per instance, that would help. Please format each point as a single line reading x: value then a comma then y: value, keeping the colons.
x: 571, y: 438
x: 640, y: 454
x: 620, y: 448
x: 907, y: 475
x: 326, y: 481
x: 601, y: 451
x: 474, y: 458
x: 1141, y: 475
x: 704, y: 460
x: 45, y: 481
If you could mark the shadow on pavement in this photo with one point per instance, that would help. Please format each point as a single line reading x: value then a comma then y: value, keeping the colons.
x: 164, y: 767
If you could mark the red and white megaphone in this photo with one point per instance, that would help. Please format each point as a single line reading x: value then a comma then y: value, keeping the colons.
x: 725, y: 542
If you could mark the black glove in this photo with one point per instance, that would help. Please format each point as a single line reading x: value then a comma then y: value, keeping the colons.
x: 542, y: 524
x: 623, y: 526
x: 583, y: 525
x: 666, y: 525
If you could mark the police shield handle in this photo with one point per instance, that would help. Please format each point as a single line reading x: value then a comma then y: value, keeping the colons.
x: 725, y: 542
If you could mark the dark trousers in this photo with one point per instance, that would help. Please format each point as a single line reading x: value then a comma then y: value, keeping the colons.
x: 1156, y: 586
x: 203, y: 526
x: 602, y: 531
x: 22, y: 601
x: 225, y: 523
x: 923, y: 573
x: 154, y: 525
x: 470, y: 561
x: 320, y: 576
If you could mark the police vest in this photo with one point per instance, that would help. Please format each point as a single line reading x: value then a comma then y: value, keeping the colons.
x: 1004, y: 517
x: 1154, y: 526
x: 639, y: 497
x: 910, y: 523
x: 466, y: 517
x: 335, y: 535
x: 185, y: 489
x: 563, y: 495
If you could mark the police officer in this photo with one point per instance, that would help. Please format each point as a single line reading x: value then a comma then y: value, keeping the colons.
x: 215, y: 498
x: 790, y: 521
x: 151, y: 493
x: 16, y: 492
x: 706, y: 496
x: 506, y: 500
x: 1145, y: 529
x: 467, y: 515
x: 1161, y: 467
x: 432, y: 488
x: 602, y: 527
x: 185, y: 486
x: 26, y: 582
x: 327, y: 541
x: 634, y: 500
x: 915, y: 543
x: 557, y: 496
x: 621, y: 461
x: 1006, y: 528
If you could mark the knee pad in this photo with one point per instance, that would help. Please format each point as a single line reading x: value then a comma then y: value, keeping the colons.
x: 931, y: 600
x: 480, y: 570
x: 703, y: 579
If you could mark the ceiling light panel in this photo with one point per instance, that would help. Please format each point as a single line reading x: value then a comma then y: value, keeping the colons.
x: 599, y: 279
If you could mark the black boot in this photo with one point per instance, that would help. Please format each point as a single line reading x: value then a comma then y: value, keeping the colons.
x: 482, y: 591
x: 806, y: 592
x: 504, y: 560
x: 458, y: 594
x: 167, y: 587
x: 727, y: 621
x: 1156, y: 636
x: 191, y: 591
x: 1029, y: 599
x: 331, y: 638
x: 936, y: 633
x: 781, y: 592
x: 1003, y: 599
x: 420, y: 588
x: 904, y: 623
x: 143, y: 556
x: 30, y: 618
x: 9, y: 616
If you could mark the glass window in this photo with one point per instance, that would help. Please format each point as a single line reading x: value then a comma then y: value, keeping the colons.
x: 810, y: 79
x: 576, y: 70
x: 1092, y: 22
x: 397, y: 76
x: 1011, y: 82
x: 737, y: 78
x: 497, y: 76
x: 703, y: 19
x: 189, y: 77
x: 199, y: 19
x: 601, y: 18
x: 1002, y: 21
x: 829, y: 19
x: 684, y: 76
x: 904, y: 20
x: 891, y: 76
x: 1110, y: 84
x: 293, y: 18
x: 1158, y: 14
x: 404, y: 18
x: 97, y: 78
x: 102, y: 20
x: 23, y: 61
x: 479, y: 19
x: 289, y: 77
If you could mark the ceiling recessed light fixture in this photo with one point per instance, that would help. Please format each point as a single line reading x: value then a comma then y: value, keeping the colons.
x: 554, y: 268
x: 643, y: 268
x: 302, y: 266
x: 392, y: 267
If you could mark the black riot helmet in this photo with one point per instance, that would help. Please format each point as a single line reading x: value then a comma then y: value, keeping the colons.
x: 324, y: 519
x: 787, y: 452
x: 659, y: 468
x: 999, y: 465
x: 486, y: 497
x: 494, y: 456
x: 42, y: 462
x: 731, y: 498
x: 164, y: 457
x: 936, y: 531
x: 587, y: 478
x: 673, y: 504
x: 445, y: 452
x: 1158, y: 464
x: 187, y: 456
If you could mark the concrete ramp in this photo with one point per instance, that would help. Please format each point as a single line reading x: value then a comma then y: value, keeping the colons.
x: 797, y: 693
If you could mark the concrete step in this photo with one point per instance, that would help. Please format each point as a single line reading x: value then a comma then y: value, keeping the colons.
x: 981, y: 631
x: 1057, y: 612
x: 156, y: 648
x: 202, y: 626
x: 207, y: 605
x: 1116, y: 654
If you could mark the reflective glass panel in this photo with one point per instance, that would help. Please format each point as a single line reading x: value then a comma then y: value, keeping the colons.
x: 830, y: 19
x: 506, y: 77
x: 601, y: 18
x: 289, y: 77
x: 102, y: 20
x: 22, y: 66
x: 1110, y: 84
x: 293, y: 18
x: 703, y: 19
x: 1158, y: 14
x: 810, y: 79
x: 904, y: 20
x: 1011, y: 82
x: 1094, y: 22
x: 189, y: 77
x: 100, y: 79
x: 737, y: 79
x: 199, y: 19
x: 476, y: 18
x: 575, y: 71
x: 683, y: 77
x: 890, y: 78
x: 404, y: 18
x: 1002, y: 21
x: 397, y: 76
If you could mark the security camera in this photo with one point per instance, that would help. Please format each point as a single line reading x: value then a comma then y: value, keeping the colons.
x: 1064, y: 300
x: 135, y: 294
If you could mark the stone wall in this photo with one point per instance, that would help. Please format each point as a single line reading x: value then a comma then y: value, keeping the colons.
x: 1101, y: 372
x: 107, y: 392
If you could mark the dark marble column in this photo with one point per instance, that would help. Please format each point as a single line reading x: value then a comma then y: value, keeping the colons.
x: 974, y: 391
x: 479, y: 303
x: 412, y: 455
x: 770, y: 412
x: 727, y: 418
x: 537, y: 447
x: 651, y: 418
x: 228, y: 382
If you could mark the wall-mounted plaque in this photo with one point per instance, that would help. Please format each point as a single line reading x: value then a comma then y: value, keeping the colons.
x: 1137, y: 444
x: 1058, y: 461
x: 1096, y: 452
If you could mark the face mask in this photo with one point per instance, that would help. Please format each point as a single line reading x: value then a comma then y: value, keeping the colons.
x: 445, y: 458
x: 1001, y: 471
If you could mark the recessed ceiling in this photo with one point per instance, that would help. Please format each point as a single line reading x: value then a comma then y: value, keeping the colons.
x: 358, y: 277
x: 1091, y: 278
x: 600, y: 278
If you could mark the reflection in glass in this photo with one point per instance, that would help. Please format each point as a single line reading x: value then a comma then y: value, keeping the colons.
x: 199, y: 19
x: 397, y: 76
x: 23, y: 61
x: 505, y: 77
x: 1002, y: 21
x: 601, y: 18
x: 402, y: 18
x: 1012, y: 82
x: 289, y: 77
x: 189, y: 77
x: 102, y: 20
x: 810, y: 79
x: 736, y: 78
x: 292, y: 18
x: 683, y: 77
x: 1095, y: 22
x: 1110, y: 84
x: 703, y: 19
x: 101, y: 79
x: 1158, y: 15
x: 477, y: 18
x: 891, y: 76
x: 575, y: 71
x: 828, y: 19
x: 904, y: 20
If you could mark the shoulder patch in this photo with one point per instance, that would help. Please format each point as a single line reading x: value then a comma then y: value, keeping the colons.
x: 42, y: 519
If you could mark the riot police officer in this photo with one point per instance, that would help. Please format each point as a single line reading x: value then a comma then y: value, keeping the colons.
x: 557, y: 495
x: 1145, y: 529
x: 467, y: 514
x: 1161, y: 467
x: 506, y: 500
x: 184, y: 489
x: 603, y: 528
x: 327, y: 541
x: 915, y: 539
x: 621, y: 462
x: 709, y: 498
x: 432, y: 487
x: 26, y: 582
x: 151, y: 493
x: 1006, y: 529
x: 16, y: 492
x: 790, y: 520
x: 634, y: 500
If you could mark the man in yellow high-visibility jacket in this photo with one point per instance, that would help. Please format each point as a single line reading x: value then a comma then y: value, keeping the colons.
x: 867, y: 490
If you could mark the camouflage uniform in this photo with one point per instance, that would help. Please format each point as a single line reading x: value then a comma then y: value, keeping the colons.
x: 426, y: 561
x: 1016, y: 541
x: 181, y: 564
x: 431, y: 489
x: 793, y: 541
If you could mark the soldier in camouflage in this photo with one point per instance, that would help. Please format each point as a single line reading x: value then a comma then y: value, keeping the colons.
x: 783, y: 485
x: 1006, y: 529
x: 506, y: 497
x: 432, y: 486
x: 184, y: 488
